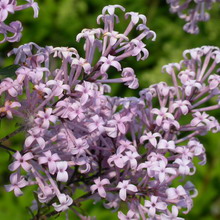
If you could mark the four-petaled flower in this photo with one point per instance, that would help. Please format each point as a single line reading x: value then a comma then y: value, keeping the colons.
x: 49, y: 159
x: 21, y: 161
x: 17, y: 182
x: 99, y: 186
x: 124, y: 186
x: 109, y: 61
x: 151, y: 137
x: 154, y: 205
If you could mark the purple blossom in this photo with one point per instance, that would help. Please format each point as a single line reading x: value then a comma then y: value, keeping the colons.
x: 21, y: 161
x: 192, y: 12
x: 62, y: 175
x: 49, y: 159
x: 15, y: 27
x: 124, y: 186
x: 150, y: 137
x: 17, y: 182
x: 99, y: 186
x: 65, y: 202
x: 109, y: 61
x: 153, y: 205
x: 5, y: 8
x: 130, y: 215
x: 125, y: 149
x: 44, y: 118
x: 8, y: 108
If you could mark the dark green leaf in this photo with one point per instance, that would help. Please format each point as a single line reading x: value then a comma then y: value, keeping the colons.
x: 8, y: 71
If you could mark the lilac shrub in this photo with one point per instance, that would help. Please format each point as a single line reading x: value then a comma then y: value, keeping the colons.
x: 116, y: 150
x: 192, y: 11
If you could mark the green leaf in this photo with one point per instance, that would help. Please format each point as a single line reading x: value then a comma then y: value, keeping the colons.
x: 8, y: 71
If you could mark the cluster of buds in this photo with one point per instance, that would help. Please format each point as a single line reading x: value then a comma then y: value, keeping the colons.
x: 12, y: 32
x: 192, y: 11
x: 118, y: 150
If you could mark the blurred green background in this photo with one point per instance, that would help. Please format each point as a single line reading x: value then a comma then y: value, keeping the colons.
x: 58, y: 24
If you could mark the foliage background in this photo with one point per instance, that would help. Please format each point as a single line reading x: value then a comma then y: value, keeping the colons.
x: 58, y: 24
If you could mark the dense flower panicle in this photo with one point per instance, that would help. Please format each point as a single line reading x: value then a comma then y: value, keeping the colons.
x: 192, y: 11
x: 115, y: 149
x: 10, y: 7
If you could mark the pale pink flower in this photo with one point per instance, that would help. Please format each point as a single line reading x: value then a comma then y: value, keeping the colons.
x: 130, y: 157
x: 49, y: 159
x: 8, y: 108
x: 124, y: 186
x: 62, y: 175
x: 153, y: 205
x: 21, y: 161
x: 107, y: 62
x: 150, y: 137
x: 65, y: 202
x: 17, y: 182
x: 99, y: 185
x: 44, y: 118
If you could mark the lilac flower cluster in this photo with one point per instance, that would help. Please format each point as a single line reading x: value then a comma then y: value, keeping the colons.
x: 118, y: 150
x: 192, y: 11
x: 14, y: 28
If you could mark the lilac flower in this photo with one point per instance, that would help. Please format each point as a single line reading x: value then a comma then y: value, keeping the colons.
x: 96, y: 124
x: 163, y: 171
x: 5, y: 7
x: 130, y: 79
x: 62, y: 175
x: 189, y: 85
x: 117, y: 159
x: 131, y: 158
x: 58, y: 87
x: 186, y: 75
x: 44, y: 118
x: 80, y: 147
x: 82, y: 62
x: 86, y: 90
x: 151, y: 137
x: 184, y: 106
x: 35, y: 135
x: 114, y: 36
x: 125, y: 145
x: 154, y: 205
x: 21, y: 161
x: 111, y: 9
x: 214, y: 81
x: 174, y: 193
x: 14, y: 87
x: 109, y: 61
x: 135, y: 17
x: 137, y: 146
x: 164, y: 144
x: 139, y: 47
x: 17, y: 182
x: 130, y: 215
x: 65, y: 202
x: 172, y: 215
x: 99, y: 186
x: 8, y: 108
x: 192, y: 12
x: 49, y: 159
x: 183, y: 163
x: 124, y: 186
x: 200, y: 119
x: 70, y: 110
x: 161, y: 115
x: 15, y: 27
